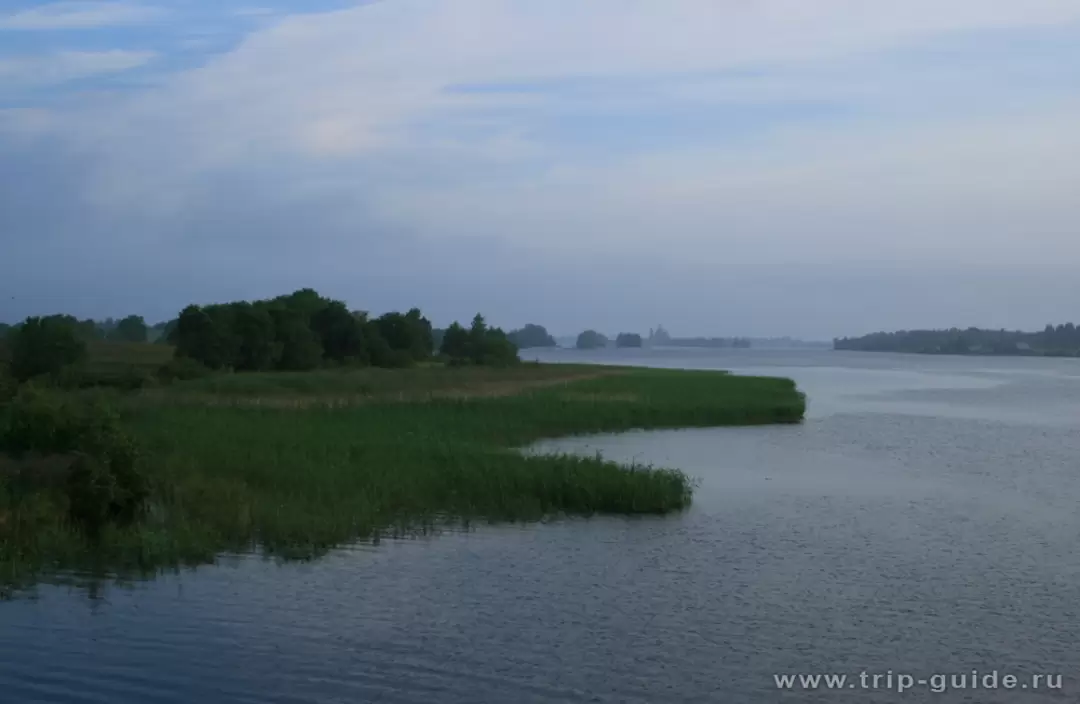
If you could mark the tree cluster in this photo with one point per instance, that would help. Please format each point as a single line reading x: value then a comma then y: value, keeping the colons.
x: 130, y: 329
x: 1060, y: 340
x: 628, y: 339
x: 479, y: 344
x: 298, y: 332
x: 43, y: 345
x: 591, y: 340
x: 531, y: 336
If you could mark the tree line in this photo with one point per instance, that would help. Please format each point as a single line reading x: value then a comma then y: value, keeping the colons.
x: 299, y: 331
x: 133, y: 328
x: 304, y: 330
x: 1054, y: 340
x: 710, y: 342
x: 591, y: 339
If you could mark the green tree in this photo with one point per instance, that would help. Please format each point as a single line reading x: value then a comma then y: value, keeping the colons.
x: 628, y: 339
x: 478, y: 333
x: 299, y: 345
x: 496, y: 349
x: 306, y: 302
x: 455, y: 343
x: 254, y: 328
x: 378, y: 351
x: 204, y: 335
x: 130, y: 329
x: 44, y: 346
x: 340, y: 332
x: 423, y: 337
x: 479, y: 344
x: 395, y: 330
x: 408, y: 333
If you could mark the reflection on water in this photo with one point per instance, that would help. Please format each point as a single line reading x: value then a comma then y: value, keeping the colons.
x: 924, y: 519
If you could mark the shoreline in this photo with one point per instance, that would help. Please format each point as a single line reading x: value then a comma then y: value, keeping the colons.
x: 291, y: 466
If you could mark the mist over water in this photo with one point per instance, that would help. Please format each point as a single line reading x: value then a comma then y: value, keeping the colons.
x: 924, y: 519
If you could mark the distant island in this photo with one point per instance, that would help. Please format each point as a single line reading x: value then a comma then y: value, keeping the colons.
x: 531, y: 336
x: 1054, y: 341
x: 591, y: 340
x: 659, y: 337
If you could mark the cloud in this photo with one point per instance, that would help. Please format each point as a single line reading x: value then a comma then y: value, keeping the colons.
x: 254, y: 11
x: 366, y: 93
x: 79, y: 15
x: 714, y: 146
x: 68, y: 65
x: 994, y: 191
x: 25, y: 123
x: 352, y: 81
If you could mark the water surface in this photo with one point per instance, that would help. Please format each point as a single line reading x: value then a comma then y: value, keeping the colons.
x: 923, y: 520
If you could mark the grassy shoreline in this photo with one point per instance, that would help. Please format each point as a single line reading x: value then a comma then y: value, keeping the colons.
x: 292, y: 465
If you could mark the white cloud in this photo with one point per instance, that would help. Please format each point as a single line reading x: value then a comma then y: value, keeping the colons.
x: 350, y: 81
x: 998, y: 192
x: 68, y: 65
x: 356, y: 91
x: 79, y: 15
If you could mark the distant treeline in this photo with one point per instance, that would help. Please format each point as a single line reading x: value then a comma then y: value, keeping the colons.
x: 591, y: 339
x: 660, y: 338
x: 1053, y: 341
x: 130, y: 329
x: 712, y: 342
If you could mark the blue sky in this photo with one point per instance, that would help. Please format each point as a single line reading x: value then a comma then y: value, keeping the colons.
x: 721, y: 167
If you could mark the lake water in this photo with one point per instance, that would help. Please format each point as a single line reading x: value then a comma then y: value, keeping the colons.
x: 925, y: 520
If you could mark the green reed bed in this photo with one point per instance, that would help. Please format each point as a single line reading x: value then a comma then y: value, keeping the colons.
x: 412, y: 449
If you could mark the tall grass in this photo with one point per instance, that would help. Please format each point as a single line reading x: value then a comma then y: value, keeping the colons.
x: 417, y: 447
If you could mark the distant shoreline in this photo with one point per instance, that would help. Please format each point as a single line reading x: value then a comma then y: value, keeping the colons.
x: 932, y: 353
x: 1053, y: 341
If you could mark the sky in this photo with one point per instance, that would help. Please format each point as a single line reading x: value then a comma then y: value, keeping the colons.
x: 721, y: 167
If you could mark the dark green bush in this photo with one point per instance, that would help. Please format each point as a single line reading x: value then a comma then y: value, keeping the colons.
x: 92, y: 491
x: 104, y: 483
x: 39, y: 421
